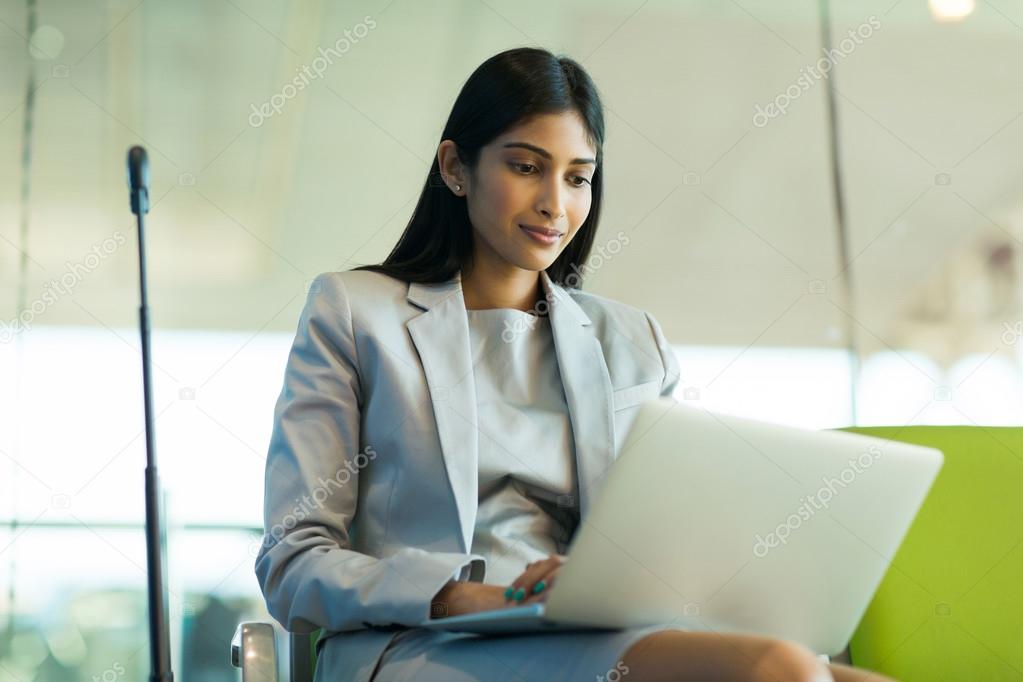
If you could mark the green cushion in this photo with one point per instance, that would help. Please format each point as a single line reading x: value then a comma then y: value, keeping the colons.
x: 313, y: 638
x: 950, y: 606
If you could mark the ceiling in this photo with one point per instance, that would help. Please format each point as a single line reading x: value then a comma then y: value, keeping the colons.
x: 733, y: 230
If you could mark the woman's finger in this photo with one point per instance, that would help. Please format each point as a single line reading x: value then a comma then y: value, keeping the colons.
x: 525, y: 585
x: 548, y: 584
x: 536, y: 572
x: 522, y: 586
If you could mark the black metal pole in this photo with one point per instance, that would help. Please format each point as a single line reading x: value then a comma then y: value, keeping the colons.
x: 159, y: 637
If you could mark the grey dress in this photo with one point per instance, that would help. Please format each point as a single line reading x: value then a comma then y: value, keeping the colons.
x: 528, y: 509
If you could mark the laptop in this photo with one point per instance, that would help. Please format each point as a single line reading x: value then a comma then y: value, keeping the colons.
x: 719, y: 523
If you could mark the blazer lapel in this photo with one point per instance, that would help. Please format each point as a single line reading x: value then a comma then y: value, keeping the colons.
x: 587, y: 386
x: 441, y: 337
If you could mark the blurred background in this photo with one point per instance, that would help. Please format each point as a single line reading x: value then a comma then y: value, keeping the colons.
x: 827, y: 228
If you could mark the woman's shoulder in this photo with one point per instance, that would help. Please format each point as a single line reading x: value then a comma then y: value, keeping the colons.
x: 360, y: 286
x: 347, y: 299
x: 606, y: 310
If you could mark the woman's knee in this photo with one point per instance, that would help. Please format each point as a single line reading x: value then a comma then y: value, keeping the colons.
x: 784, y: 660
x: 684, y: 656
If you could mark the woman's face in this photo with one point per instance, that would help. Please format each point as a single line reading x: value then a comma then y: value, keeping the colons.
x: 536, y: 174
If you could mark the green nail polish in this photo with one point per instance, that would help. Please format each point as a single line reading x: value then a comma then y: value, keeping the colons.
x: 520, y: 594
x: 538, y: 588
x: 508, y: 593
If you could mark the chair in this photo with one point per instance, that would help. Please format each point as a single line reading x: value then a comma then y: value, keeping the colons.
x: 254, y: 650
x: 950, y: 606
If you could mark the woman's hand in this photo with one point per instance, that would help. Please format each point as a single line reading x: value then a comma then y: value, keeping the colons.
x: 457, y: 598
x: 536, y: 581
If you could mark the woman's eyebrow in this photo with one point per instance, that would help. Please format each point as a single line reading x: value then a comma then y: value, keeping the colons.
x: 546, y: 154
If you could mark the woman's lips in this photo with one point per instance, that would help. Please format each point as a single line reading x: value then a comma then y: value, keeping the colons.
x: 539, y: 236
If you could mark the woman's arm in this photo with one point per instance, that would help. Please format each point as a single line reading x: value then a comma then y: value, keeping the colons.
x: 308, y: 573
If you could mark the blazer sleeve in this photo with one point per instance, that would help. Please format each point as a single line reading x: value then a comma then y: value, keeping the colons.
x: 308, y: 573
x: 672, y: 373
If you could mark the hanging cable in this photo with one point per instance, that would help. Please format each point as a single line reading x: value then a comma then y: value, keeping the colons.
x: 847, y: 290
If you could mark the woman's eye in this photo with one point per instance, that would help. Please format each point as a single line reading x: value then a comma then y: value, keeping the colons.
x: 583, y: 183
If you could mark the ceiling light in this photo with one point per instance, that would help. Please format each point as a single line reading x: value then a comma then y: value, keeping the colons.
x: 951, y: 10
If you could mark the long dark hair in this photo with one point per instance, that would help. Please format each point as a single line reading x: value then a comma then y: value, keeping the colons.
x: 506, y: 90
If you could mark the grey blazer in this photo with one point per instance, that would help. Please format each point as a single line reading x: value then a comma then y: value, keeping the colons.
x: 371, y: 475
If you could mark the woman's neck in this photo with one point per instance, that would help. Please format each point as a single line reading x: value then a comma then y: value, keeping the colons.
x: 512, y: 288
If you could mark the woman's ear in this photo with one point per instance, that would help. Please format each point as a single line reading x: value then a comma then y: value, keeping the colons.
x: 451, y: 168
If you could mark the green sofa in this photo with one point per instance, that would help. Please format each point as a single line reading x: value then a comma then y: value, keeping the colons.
x: 950, y: 607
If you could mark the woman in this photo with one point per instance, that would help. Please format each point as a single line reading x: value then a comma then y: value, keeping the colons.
x: 446, y: 416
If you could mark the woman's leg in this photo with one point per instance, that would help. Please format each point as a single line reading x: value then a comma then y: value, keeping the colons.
x: 844, y: 673
x: 680, y: 656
